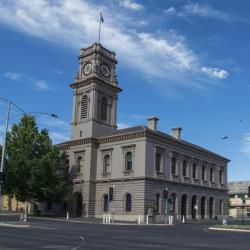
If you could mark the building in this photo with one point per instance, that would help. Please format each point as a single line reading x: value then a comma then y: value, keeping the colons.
x: 239, y: 199
x: 135, y: 164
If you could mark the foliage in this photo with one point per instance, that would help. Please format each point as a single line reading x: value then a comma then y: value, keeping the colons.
x: 33, y: 167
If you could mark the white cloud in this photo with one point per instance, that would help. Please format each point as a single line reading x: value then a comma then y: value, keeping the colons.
x: 170, y: 11
x: 123, y: 125
x: 13, y: 75
x: 41, y: 85
x: 57, y: 137
x: 74, y: 22
x: 215, y: 72
x: 200, y: 10
x: 205, y: 11
x: 129, y: 4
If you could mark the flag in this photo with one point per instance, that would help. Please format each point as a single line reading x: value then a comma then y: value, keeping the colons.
x: 101, y: 17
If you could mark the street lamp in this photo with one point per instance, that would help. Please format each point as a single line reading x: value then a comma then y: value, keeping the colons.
x: 10, y: 103
x: 235, y: 137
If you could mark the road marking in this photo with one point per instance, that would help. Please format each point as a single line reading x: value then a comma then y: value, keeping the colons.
x: 82, y: 243
x: 14, y: 225
x: 51, y: 247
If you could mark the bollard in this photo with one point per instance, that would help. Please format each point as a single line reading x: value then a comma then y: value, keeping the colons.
x: 103, y: 218
x: 109, y: 218
x: 67, y: 216
x: 139, y: 219
x: 183, y: 219
x: 147, y: 219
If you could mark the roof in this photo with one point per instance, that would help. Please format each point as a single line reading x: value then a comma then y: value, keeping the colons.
x: 236, y: 187
x: 143, y: 128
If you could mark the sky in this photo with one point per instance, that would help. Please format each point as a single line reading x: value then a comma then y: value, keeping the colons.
x: 186, y: 62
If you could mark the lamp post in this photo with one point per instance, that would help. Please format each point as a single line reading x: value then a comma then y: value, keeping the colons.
x: 235, y: 137
x: 10, y: 103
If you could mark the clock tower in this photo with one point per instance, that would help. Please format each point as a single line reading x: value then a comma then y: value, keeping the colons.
x: 95, y: 93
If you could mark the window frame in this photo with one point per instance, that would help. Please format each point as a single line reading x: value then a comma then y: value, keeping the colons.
x: 128, y: 203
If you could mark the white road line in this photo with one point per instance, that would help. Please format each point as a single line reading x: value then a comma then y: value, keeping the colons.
x: 82, y: 243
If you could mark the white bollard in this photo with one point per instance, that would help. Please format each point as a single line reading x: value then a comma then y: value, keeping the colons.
x: 109, y: 219
x: 103, y: 218
x: 139, y: 219
x: 183, y: 219
x: 147, y: 219
x: 67, y: 216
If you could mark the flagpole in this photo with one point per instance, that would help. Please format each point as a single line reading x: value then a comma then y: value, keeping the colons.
x: 100, y: 30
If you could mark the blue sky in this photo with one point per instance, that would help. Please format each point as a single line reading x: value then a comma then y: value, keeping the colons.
x: 186, y: 62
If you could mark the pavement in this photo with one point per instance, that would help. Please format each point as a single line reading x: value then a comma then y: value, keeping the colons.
x: 67, y: 235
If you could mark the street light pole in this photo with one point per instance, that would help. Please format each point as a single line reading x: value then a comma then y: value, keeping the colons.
x: 3, y: 152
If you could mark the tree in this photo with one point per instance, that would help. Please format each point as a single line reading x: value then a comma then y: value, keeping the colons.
x: 34, y: 169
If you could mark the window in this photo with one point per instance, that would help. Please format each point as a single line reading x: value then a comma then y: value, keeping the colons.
x: 211, y: 175
x: 105, y: 203
x: 79, y: 164
x: 194, y: 171
x: 104, y: 109
x: 158, y: 160
x: 185, y: 169
x: 128, y: 161
x: 128, y: 203
x: 203, y: 173
x: 106, y: 164
x: 157, y: 203
x: 84, y: 107
x: 173, y: 166
x: 221, y: 176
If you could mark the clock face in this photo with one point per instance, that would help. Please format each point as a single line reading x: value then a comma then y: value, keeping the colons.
x: 105, y: 71
x: 87, y: 68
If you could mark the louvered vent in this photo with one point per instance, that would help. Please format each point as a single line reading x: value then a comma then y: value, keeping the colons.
x: 104, y: 109
x: 84, y: 107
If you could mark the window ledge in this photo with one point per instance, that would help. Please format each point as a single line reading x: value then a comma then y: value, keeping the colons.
x: 105, y: 174
x: 128, y: 172
x: 175, y: 175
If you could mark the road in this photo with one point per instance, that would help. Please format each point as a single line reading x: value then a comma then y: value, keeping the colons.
x: 63, y: 235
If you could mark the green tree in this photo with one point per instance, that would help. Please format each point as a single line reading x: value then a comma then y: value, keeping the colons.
x: 34, y: 169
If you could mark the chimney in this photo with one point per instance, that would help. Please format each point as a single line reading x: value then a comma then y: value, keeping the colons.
x: 152, y: 123
x: 176, y: 133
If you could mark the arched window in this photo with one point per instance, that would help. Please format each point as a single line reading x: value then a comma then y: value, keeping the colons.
x: 128, y: 203
x: 128, y: 161
x: 84, y: 107
x: 104, y: 109
x: 105, y: 206
x: 79, y: 164
x: 106, y: 164
x: 158, y: 159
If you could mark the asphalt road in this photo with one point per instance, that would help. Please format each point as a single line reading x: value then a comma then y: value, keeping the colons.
x: 41, y: 234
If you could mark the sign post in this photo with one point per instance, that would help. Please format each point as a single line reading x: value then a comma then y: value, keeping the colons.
x: 165, y: 196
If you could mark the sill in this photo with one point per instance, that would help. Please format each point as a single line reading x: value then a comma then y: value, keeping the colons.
x: 175, y: 175
x: 159, y: 173
x: 127, y: 172
x: 105, y: 174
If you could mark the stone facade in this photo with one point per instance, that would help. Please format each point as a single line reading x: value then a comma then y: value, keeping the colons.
x: 239, y: 199
x: 139, y: 163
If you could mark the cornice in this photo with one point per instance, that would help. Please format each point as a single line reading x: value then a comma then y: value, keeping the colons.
x: 97, y: 80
